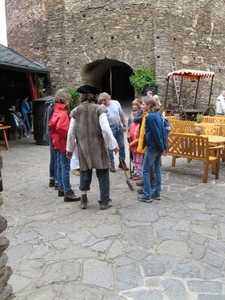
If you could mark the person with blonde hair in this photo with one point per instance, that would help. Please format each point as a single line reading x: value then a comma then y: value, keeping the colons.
x: 156, y: 98
x: 156, y: 145
x: 59, y: 125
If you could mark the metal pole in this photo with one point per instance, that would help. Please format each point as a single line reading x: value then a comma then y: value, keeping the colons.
x: 181, y: 83
x: 210, y: 93
x: 196, y: 93
x: 110, y: 81
x: 167, y: 87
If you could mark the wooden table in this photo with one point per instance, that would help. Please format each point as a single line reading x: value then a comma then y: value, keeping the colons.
x: 205, y: 124
x: 215, y: 140
x: 3, y: 129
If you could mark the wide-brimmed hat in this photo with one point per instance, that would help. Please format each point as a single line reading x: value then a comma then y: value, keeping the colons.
x: 84, y: 89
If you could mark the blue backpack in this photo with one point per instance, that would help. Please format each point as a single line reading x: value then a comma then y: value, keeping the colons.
x: 166, y: 125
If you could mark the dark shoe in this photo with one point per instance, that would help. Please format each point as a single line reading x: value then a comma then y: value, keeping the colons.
x: 105, y: 205
x: 140, y: 183
x: 71, y: 197
x: 51, y: 183
x: 144, y: 199
x: 156, y: 197
x: 112, y: 169
x: 110, y: 203
x: 83, y: 202
x: 56, y: 186
x: 140, y: 191
x: 122, y: 165
x: 60, y: 193
x: 26, y: 136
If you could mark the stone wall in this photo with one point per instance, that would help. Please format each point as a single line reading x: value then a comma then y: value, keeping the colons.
x: 69, y: 36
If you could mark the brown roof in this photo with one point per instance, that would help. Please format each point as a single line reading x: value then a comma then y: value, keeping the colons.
x: 9, y: 59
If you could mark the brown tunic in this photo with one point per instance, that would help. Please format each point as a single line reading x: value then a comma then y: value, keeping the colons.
x: 92, y: 150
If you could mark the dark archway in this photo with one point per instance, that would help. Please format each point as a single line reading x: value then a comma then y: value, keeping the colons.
x: 111, y: 76
x: 116, y: 82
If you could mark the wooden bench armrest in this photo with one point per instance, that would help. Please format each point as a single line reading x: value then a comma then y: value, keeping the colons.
x: 216, y: 148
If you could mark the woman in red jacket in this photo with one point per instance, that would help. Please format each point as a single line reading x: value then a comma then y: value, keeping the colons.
x: 59, y: 125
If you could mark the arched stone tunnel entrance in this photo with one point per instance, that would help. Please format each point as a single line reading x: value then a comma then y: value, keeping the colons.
x: 112, y: 76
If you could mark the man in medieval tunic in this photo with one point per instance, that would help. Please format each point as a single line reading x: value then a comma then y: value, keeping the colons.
x: 89, y: 131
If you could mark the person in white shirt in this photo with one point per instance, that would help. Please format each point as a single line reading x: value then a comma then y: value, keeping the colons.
x: 117, y: 124
x: 220, y: 103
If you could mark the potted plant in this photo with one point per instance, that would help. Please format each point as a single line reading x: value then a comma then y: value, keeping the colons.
x: 198, y: 130
x: 199, y: 118
x: 142, y: 78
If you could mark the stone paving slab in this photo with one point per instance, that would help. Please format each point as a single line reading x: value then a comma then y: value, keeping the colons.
x: 168, y: 249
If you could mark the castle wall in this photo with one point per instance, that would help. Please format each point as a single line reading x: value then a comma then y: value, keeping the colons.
x: 68, y: 35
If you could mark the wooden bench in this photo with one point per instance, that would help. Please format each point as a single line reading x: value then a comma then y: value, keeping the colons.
x: 3, y: 129
x: 14, y: 133
x: 214, y: 119
x: 177, y: 126
x: 195, y: 147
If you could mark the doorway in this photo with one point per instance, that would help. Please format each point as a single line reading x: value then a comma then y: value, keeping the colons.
x: 111, y: 76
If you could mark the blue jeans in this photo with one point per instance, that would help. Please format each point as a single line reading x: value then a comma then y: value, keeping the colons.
x: 103, y: 180
x: 119, y: 136
x: 53, y: 163
x: 63, y: 172
x: 151, y: 159
x: 26, y: 121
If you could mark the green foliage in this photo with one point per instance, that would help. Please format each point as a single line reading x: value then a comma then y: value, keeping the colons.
x: 141, y: 78
x: 74, y: 98
x: 41, y: 85
x: 199, y: 117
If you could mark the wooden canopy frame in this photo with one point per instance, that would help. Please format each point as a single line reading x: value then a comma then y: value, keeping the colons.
x: 193, y: 75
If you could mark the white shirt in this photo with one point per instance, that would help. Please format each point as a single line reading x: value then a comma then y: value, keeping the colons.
x: 114, y: 113
x: 220, y: 105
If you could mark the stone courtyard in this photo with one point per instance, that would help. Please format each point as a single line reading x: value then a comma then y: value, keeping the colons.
x: 168, y: 249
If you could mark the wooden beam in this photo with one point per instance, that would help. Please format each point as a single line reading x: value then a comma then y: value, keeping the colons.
x: 33, y: 86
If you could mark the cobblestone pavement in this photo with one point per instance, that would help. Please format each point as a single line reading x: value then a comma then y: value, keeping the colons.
x: 172, y: 249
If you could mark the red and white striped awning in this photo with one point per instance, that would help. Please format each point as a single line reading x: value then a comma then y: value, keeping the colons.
x: 191, y: 74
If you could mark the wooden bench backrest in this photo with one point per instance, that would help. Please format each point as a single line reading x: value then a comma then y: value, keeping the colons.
x: 171, y: 118
x: 208, y: 119
x: 214, y: 119
x: 222, y: 129
x: 220, y: 120
x: 211, y: 130
x: 177, y: 126
x: 188, y: 146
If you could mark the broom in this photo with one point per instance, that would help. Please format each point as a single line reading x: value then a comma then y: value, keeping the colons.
x: 127, y: 179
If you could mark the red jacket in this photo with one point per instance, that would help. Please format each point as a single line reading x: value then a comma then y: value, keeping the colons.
x: 59, y: 126
x: 133, y: 136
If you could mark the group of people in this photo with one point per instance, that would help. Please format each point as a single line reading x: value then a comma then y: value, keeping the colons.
x: 19, y: 119
x: 95, y: 130
x: 87, y: 129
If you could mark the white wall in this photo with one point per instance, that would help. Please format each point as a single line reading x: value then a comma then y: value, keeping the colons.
x: 3, y: 35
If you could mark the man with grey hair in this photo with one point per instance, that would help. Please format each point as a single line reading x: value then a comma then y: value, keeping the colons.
x: 117, y: 124
x: 220, y: 103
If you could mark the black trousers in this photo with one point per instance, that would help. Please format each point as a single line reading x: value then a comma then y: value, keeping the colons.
x: 103, y: 180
